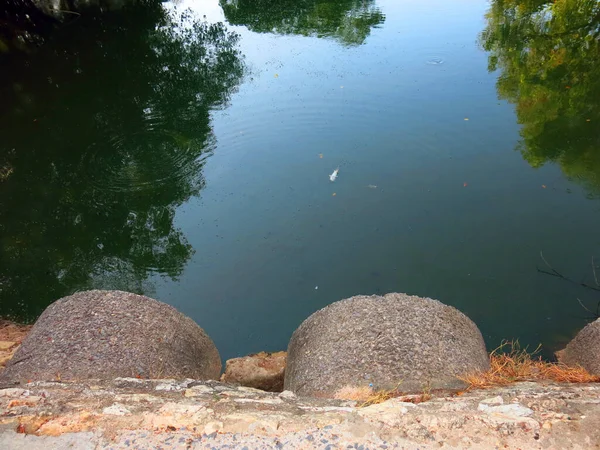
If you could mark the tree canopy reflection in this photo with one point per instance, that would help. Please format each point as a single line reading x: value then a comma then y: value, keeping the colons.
x: 548, y: 53
x: 349, y: 21
x: 105, y: 131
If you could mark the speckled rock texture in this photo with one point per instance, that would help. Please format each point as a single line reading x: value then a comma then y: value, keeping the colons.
x: 107, y: 334
x: 398, y: 340
x: 262, y: 370
x: 584, y: 349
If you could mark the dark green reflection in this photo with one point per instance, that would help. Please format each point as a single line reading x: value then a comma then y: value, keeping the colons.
x: 23, y: 24
x: 349, y: 21
x: 548, y: 53
x: 104, y: 133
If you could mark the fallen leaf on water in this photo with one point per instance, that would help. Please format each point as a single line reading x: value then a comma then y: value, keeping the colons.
x: 465, y: 184
x: 544, y: 186
x: 321, y: 155
x: 276, y: 75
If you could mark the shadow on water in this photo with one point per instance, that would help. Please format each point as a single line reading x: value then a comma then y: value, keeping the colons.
x: 105, y: 130
x: 548, y: 55
x: 347, y: 21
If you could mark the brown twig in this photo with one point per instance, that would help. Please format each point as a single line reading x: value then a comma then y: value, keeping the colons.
x: 584, y: 307
x: 555, y: 273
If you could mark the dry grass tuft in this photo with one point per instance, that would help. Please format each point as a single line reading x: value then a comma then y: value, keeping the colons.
x: 359, y: 394
x: 510, y: 363
x: 382, y: 396
x: 379, y: 397
x: 566, y: 374
x: 367, y: 396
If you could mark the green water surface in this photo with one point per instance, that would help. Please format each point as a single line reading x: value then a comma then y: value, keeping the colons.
x: 187, y: 157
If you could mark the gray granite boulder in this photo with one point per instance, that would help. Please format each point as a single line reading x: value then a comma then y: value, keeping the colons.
x: 584, y: 349
x: 108, y: 334
x: 396, y: 341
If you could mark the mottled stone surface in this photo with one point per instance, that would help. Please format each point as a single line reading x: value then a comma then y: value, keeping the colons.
x: 584, y: 349
x: 261, y: 371
x: 182, y: 414
x: 106, y: 334
x: 398, y: 340
x: 11, y: 336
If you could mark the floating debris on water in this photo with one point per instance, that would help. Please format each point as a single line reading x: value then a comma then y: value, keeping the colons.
x: 372, y: 186
x: 334, y: 175
x: 435, y: 61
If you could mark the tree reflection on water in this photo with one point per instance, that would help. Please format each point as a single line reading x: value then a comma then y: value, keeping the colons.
x: 348, y: 21
x: 548, y: 55
x: 105, y: 129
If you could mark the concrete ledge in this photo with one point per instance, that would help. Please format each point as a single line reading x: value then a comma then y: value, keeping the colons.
x: 135, y: 413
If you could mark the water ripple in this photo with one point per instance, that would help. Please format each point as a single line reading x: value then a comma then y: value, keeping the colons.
x: 145, y: 160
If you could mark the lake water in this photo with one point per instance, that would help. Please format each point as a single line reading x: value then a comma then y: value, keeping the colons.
x: 192, y: 164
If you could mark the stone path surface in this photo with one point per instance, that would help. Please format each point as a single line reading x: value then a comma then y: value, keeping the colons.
x: 129, y: 413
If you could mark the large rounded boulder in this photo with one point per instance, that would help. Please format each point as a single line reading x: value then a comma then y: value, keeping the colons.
x: 392, y: 342
x: 584, y: 349
x: 108, y: 334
